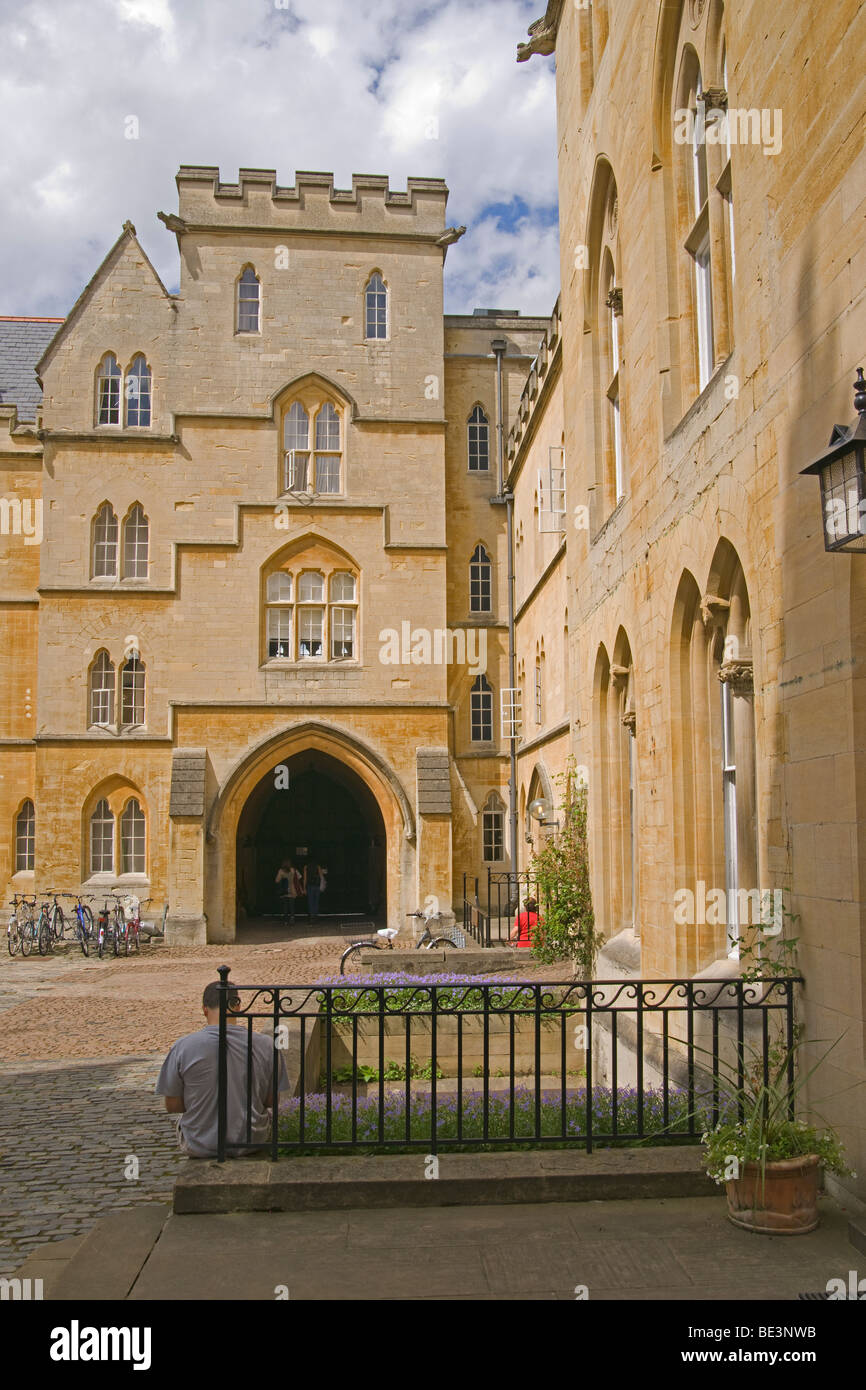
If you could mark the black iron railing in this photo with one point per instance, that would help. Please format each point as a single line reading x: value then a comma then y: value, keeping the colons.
x: 491, y: 905
x: 433, y: 1066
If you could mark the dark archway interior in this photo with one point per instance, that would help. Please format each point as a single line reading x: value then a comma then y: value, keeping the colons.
x: 325, y: 814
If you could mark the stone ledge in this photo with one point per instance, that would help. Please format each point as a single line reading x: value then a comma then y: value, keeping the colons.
x: 489, y: 1179
x: 484, y: 961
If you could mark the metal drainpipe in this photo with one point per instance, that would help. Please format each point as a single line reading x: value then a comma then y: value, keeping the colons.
x: 499, y: 346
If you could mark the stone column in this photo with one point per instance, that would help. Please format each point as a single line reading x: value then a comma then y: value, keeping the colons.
x: 186, y: 923
x: 433, y: 858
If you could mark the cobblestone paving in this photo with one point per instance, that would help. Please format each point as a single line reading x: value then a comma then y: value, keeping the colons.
x: 65, y: 1135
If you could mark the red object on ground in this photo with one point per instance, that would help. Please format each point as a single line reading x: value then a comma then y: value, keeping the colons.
x: 525, y: 921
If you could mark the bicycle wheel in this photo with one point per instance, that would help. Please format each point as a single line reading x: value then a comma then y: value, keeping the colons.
x: 443, y: 941
x: 58, y: 922
x: 26, y: 938
x: 43, y: 935
x: 100, y: 941
x: 87, y: 917
x: 82, y: 934
x: 133, y: 936
x: 351, y: 952
x: 13, y: 938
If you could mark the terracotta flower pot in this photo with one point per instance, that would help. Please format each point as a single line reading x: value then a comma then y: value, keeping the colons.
x: 784, y: 1202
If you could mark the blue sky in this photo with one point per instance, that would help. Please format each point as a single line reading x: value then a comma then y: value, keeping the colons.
x: 396, y: 87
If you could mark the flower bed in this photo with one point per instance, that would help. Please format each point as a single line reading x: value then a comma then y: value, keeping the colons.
x: 502, y: 1123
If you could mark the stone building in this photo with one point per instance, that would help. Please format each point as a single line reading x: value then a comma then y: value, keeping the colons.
x: 275, y: 505
x: 712, y: 180
x: 268, y: 614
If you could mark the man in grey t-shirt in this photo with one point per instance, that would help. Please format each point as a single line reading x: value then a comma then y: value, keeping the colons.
x: 189, y: 1079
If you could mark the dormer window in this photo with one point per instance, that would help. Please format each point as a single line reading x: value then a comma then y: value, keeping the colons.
x: 137, y: 394
x: 108, y: 391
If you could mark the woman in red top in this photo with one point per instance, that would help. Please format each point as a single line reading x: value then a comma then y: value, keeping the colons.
x: 525, y: 923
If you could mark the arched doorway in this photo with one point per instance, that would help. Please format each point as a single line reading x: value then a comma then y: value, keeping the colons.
x: 312, y: 808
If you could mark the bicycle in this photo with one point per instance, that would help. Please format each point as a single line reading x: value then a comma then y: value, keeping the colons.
x: 384, y: 939
x: 58, y: 918
x: 84, y: 928
x: 130, y: 931
x: 44, y: 938
x: 14, y: 929
x: 427, y: 940
x: 107, y: 927
x: 22, y: 916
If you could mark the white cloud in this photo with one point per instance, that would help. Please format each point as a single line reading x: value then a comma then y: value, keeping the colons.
x: 399, y: 87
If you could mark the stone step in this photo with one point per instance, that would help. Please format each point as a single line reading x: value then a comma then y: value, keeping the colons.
x: 109, y: 1258
x: 400, y: 1180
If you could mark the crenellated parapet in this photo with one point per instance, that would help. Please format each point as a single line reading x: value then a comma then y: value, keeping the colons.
x: 312, y: 203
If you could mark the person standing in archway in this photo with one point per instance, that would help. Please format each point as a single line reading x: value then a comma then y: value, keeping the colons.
x: 316, y: 885
x: 288, y: 874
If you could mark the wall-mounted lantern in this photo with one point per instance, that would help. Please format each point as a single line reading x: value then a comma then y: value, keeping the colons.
x: 842, y: 473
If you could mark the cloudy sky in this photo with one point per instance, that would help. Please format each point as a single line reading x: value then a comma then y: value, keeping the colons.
x: 396, y: 87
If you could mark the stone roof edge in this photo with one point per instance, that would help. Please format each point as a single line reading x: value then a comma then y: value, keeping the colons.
x: 128, y: 233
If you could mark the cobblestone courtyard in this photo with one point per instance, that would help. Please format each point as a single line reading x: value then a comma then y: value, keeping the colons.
x: 81, y: 1044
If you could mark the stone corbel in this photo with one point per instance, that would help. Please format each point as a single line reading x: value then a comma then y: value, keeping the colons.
x: 542, y: 38
x: 709, y: 604
x: 715, y: 99
x: 629, y: 721
x: 739, y: 675
x: 614, y: 300
x: 619, y: 675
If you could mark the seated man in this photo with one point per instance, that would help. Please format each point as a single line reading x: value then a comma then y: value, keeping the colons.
x: 525, y: 924
x: 189, y: 1079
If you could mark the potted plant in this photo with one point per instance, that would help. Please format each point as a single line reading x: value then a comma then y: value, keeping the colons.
x: 770, y: 1161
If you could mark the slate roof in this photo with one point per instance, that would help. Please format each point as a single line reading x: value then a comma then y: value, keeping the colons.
x: 22, y: 343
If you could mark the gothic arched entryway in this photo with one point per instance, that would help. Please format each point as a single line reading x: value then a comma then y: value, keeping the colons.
x: 326, y: 814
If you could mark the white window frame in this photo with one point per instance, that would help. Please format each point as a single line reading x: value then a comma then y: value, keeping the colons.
x: 480, y: 578
x: 25, y: 838
x: 133, y: 847
x: 510, y: 712
x: 105, y: 544
x: 244, y: 302
x: 478, y: 441
x: 492, y: 831
x: 380, y: 310
x: 135, y: 543
x: 138, y: 394
x: 109, y: 388
x: 103, y: 825
x: 481, y: 710
x: 133, y: 693
x: 103, y: 695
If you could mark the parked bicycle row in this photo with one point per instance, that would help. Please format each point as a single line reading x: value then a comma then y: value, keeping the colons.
x: 41, y: 920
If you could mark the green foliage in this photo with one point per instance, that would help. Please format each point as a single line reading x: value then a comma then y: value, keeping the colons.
x: 787, y: 1139
x: 394, y: 1071
x: 566, y: 922
x: 766, y: 1133
x: 770, y: 950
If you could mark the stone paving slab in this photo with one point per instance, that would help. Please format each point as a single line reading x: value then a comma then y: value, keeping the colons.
x: 679, y: 1249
